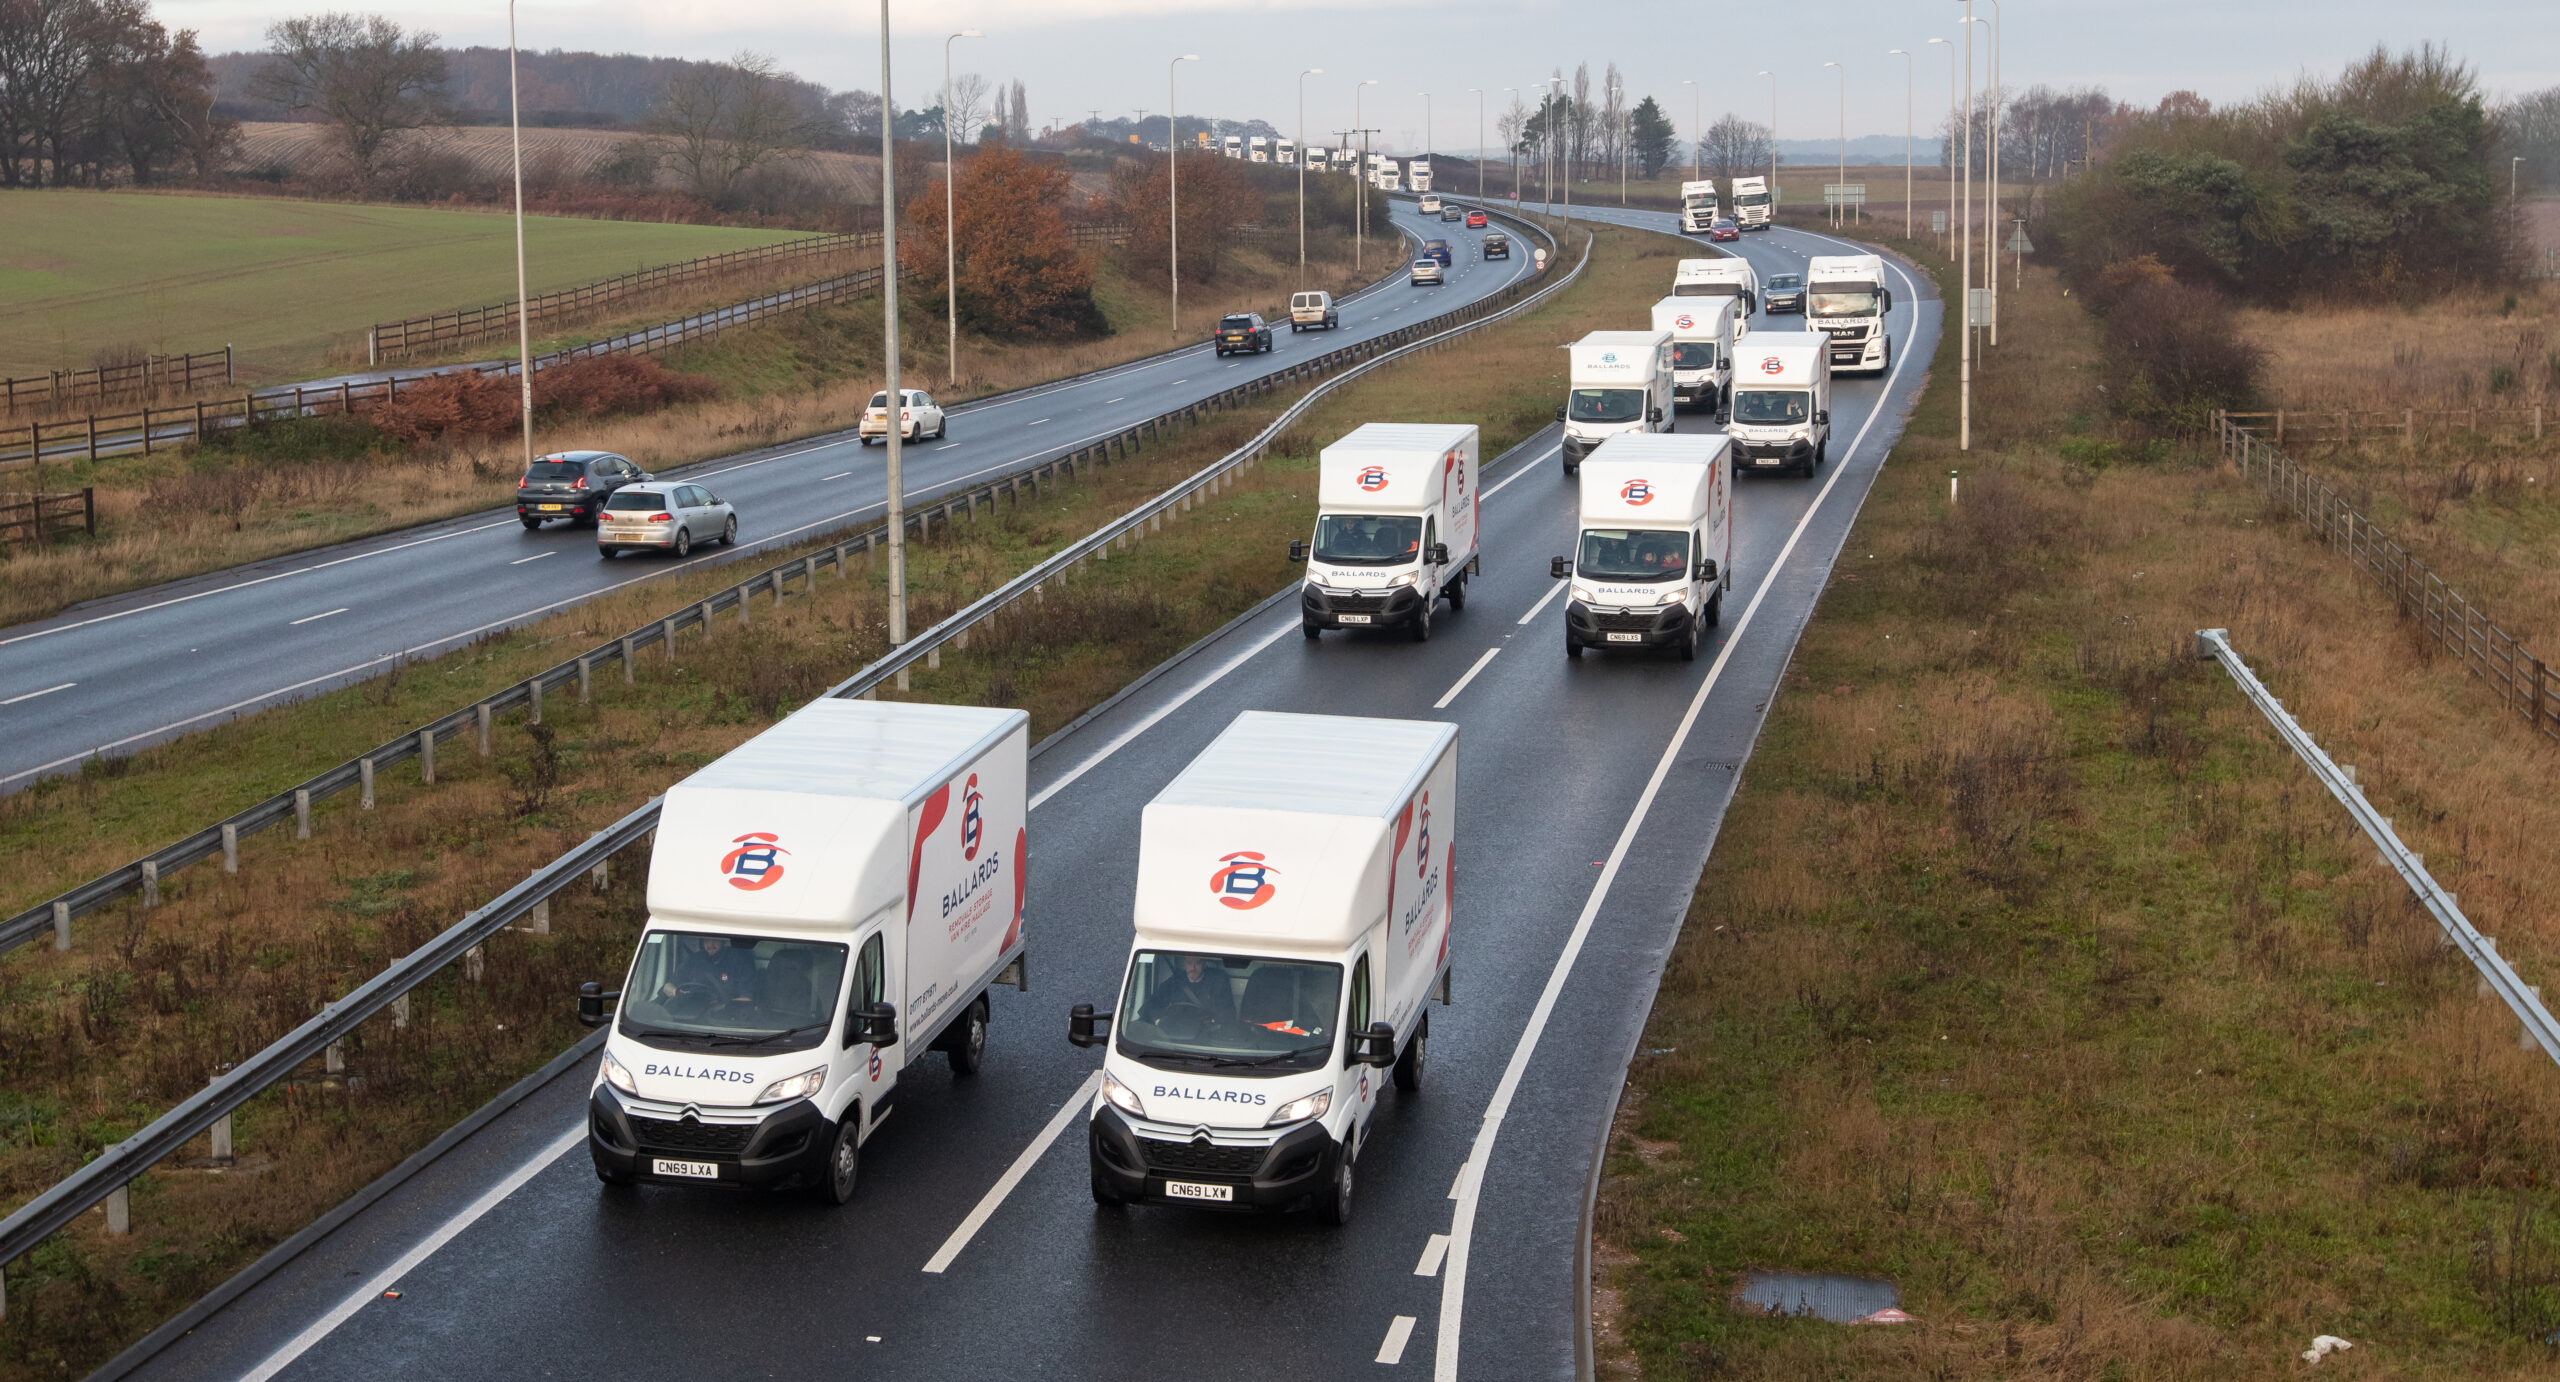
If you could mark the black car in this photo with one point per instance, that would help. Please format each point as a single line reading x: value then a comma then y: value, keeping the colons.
x: 1497, y: 245
x: 1783, y: 293
x: 572, y: 485
x: 1437, y: 249
x: 1245, y: 333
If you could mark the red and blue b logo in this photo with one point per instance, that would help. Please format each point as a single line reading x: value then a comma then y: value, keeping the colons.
x: 973, y: 825
x: 1242, y: 880
x: 1374, y: 478
x: 756, y: 863
x: 1637, y: 492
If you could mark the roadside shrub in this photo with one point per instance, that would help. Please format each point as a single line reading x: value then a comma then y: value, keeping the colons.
x: 2178, y: 346
x: 1216, y: 197
x: 464, y: 403
x: 1022, y: 274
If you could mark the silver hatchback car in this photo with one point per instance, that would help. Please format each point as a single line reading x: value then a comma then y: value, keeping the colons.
x: 665, y: 515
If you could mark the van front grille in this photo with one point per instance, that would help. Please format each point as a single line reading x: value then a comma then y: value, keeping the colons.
x: 1203, y: 1158
x: 687, y: 1135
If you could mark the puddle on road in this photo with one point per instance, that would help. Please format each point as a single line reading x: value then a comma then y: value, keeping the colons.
x: 1818, y: 1295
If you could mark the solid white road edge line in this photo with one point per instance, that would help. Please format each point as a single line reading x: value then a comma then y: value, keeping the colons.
x: 1453, y: 1286
x: 994, y: 1198
x: 383, y: 1280
x: 1544, y: 600
x: 1398, y: 1333
x: 1443, y: 702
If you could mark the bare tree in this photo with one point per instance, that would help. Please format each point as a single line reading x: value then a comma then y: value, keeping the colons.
x: 1017, y: 126
x: 856, y: 112
x: 721, y: 122
x: 1735, y: 147
x: 1613, y: 119
x: 364, y: 74
x: 47, y: 56
x: 968, y: 106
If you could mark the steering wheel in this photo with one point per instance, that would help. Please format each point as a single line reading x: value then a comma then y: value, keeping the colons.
x: 1183, y: 1021
x: 696, y: 995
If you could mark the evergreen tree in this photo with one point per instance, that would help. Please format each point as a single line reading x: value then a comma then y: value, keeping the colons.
x: 1651, y: 134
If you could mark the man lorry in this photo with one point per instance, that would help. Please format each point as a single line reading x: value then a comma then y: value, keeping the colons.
x: 1292, y: 919
x: 1395, y: 528
x: 827, y: 902
x: 1697, y: 206
x: 1616, y: 381
x: 1781, y: 417
x: 1730, y: 276
x: 1703, y: 334
x: 1655, y: 555
x: 1752, y: 205
x: 1845, y: 298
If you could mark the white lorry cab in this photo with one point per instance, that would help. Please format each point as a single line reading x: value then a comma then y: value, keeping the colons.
x: 1656, y: 552
x: 827, y: 902
x: 1731, y: 276
x: 1417, y: 175
x: 1845, y: 298
x: 1752, y: 204
x: 1617, y: 381
x: 1257, y: 150
x: 1292, y: 920
x: 1781, y: 417
x: 1704, y: 332
x: 1233, y: 146
x: 1697, y: 206
x: 1395, y: 527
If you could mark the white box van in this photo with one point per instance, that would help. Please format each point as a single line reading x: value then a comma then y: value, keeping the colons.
x: 1845, y: 298
x: 1728, y: 277
x: 1781, y: 417
x: 1292, y: 919
x: 1617, y: 381
x: 1697, y: 206
x: 827, y: 902
x: 1307, y: 311
x: 1395, y: 527
x: 1704, y: 332
x: 1655, y: 555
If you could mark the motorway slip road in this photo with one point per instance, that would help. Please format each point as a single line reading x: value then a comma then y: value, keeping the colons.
x: 1589, y: 794
x: 115, y: 675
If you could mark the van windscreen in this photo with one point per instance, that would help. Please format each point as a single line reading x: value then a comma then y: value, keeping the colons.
x: 1351, y: 539
x: 1720, y: 288
x: 1772, y: 407
x: 1239, y: 1013
x: 1631, y: 554
x: 699, y: 991
x: 1607, y: 405
x: 1693, y: 355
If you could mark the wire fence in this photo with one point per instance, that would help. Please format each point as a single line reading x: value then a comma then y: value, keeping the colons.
x: 143, y: 378
x: 106, y: 1178
x: 2523, y: 683
x: 2344, y: 426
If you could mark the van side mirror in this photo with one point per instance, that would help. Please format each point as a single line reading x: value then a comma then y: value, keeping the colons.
x: 1559, y: 568
x: 591, y: 1000
x: 1559, y: 412
x: 1822, y: 418
x: 1654, y: 415
x: 1085, y: 1027
x: 1707, y: 570
x: 1376, y: 1046
x: 878, y: 1025
x: 1888, y: 299
x: 1298, y: 550
x: 1439, y: 554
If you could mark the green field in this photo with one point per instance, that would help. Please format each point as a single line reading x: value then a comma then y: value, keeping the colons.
x: 282, y: 281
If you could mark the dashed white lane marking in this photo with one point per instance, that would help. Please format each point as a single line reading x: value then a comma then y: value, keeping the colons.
x: 309, y: 618
x: 988, y: 1203
x: 1432, y: 1252
x: 1398, y: 1333
x: 13, y: 700
x: 837, y: 476
x: 1443, y: 702
x: 1557, y: 589
x: 1121, y: 399
x: 535, y: 557
x: 1514, y: 478
x: 1027, y: 424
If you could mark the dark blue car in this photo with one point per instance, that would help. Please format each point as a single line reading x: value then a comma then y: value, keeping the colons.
x: 1437, y: 249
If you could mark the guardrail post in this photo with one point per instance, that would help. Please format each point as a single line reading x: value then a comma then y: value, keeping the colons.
x: 62, y: 926
x: 364, y: 774
x: 582, y: 681
x: 119, y: 1211
x: 230, y: 847
x: 667, y: 636
x: 333, y: 1060
x: 302, y: 813
x: 150, y: 882
x: 628, y: 649
x: 222, y: 1141
x: 400, y: 1013
x: 533, y: 692
x: 601, y: 876
x: 474, y: 964
x: 427, y: 757
x: 745, y: 590
x: 538, y: 921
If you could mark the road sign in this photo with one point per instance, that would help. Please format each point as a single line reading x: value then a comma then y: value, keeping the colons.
x: 1844, y: 194
x: 1937, y: 223
x: 2018, y: 241
x: 1983, y: 307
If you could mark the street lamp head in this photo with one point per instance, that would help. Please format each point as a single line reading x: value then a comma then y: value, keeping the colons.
x: 1188, y: 57
x: 1940, y: 40
x: 968, y: 33
x: 1312, y: 72
x: 1833, y: 64
x: 1897, y: 52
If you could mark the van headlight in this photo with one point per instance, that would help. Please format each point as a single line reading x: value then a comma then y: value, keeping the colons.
x: 800, y: 1086
x: 618, y: 1077
x: 1122, y: 1097
x: 1801, y: 434
x: 1586, y: 595
x: 1405, y: 579
x: 1300, y: 1110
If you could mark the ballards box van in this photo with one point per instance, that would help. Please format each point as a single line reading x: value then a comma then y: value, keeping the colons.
x: 1703, y: 335
x: 827, y: 902
x: 1781, y: 416
x: 1656, y: 552
x: 1395, y: 527
x: 1727, y: 277
x: 1697, y: 206
x: 1846, y: 300
x: 1292, y: 919
x: 1620, y: 381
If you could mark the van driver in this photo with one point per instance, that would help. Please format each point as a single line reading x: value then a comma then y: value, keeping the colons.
x: 1200, y: 981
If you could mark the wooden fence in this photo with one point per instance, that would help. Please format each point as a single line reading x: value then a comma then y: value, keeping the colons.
x: 2344, y: 425
x: 152, y: 374
x: 37, y: 519
x: 2522, y: 681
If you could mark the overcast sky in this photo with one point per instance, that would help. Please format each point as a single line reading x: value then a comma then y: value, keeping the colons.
x: 1076, y: 56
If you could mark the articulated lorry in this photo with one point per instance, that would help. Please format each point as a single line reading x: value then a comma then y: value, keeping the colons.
x: 1292, y: 919
x: 1781, y: 417
x: 1656, y: 551
x: 1697, y: 206
x: 827, y: 902
x: 1704, y: 332
x: 1752, y: 203
x: 1845, y: 298
x: 1395, y: 528
x: 1617, y: 381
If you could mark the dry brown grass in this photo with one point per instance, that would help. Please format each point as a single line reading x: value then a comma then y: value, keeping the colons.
x: 2031, y: 972
x: 2444, y: 353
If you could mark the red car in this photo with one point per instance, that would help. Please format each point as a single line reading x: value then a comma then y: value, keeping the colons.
x: 1724, y: 230
x: 1475, y: 220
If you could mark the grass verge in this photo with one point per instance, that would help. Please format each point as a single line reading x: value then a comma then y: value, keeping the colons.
x: 2032, y: 973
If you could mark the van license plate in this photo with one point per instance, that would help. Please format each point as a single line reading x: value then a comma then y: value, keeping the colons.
x: 1193, y: 1190
x: 1626, y: 638
x: 1351, y: 618
x: 698, y: 1170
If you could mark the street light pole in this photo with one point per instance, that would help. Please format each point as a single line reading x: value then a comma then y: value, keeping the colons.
x: 1697, y: 131
x: 950, y: 214
x: 1514, y: 151
x: 1172, y: 197
x: 1478, y: 93
x: 1360, y: 202
x: 1773, y: 147
x: 1907, y: 66
x: 1964, y: 389
x: 1840, y: 216
x: 1302, y: 167
x: 523, y: 318
x: 895, y: 400
x: 1991, y: 205
x: 1618, y: 98
x: 1426, y: 134
x: 1951, y: 129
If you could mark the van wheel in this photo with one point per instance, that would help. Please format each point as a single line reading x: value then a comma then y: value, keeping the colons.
x: 1333, y: 1203
x: 1689, y: 645
x: 1104, y: 1195
x: 1572, y: 650
x: 1311, y: 629
x: 844, y: 1159
x: 1457, y: 593
x: 1421, y: 625
x: 968, y: 1050
x: 1715, y: 609
x: 1409, y: 1065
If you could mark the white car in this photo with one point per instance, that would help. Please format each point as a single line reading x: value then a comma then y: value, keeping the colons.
x: 1426, y: 271
x: 665, y: 515
x: 920, y: 418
